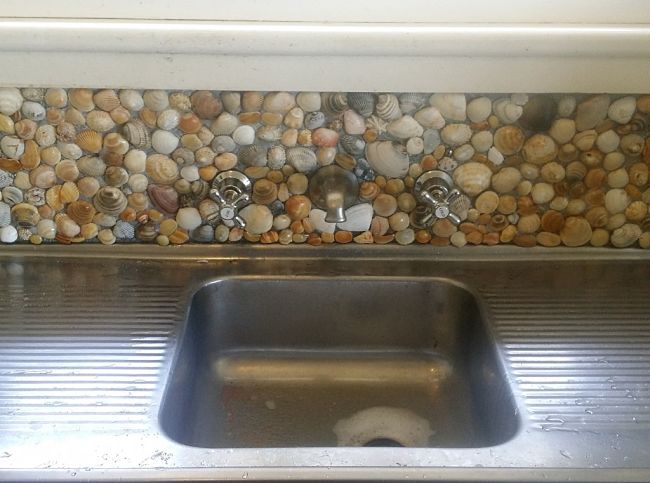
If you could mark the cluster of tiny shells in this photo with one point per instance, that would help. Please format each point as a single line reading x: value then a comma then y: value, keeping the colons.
x: 104, y: 165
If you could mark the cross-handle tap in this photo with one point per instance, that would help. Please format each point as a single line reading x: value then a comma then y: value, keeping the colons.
x: 231, y: 190
x: 435, y: 189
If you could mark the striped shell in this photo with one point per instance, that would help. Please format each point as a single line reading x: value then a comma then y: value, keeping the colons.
x: 362, y: 102
x: 335, y: 103
x: 165, y: 198
x: 137, y: 134
x: 106, y: 100
x: 387, y: 107
x: 410, y: 102
x: 388, y: 158
x: 110, y: 201
x: 253, y: 155
x: 81, y: 212
x: 302, y: 159
x: 352, y: 144
x: 162, y: 169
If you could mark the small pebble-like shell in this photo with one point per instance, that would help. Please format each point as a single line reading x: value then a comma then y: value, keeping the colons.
x: 472, y: 178
x: 110, y: 201
x: 205, y: 104
x: 410, y: 102
x: 430, y: 118
x: 487, y: 202
x: 106, y: 100
x: 68, y: 192
x: 224, y: 125
x: 638, y: 174
x: 591, y: 111
x: 616, y: 200
x: 91, y: 166
x: 507, y: 111
x: 309, y: 101
x: 479, y: 109
x: 575, y: 232
x: 56, y: 97
x: 509, y: 140
x: 281, y: 102
x: 404, y: 127
x: 33, y: 111
x: 539, y: 149
x: 298, y: 207
x: 13, y: 195
x: 622, y: 110
x: 626, y: 235
x: 259, y: 218
x: 10, y: 100
x: 189, y: 123
x: 12, y: 147
x: 162, y: 169
x: 163, y: 141
x: 538, y: 113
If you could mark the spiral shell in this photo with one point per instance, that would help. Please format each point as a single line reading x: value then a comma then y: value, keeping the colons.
x: 265, y: 192
x: 335, y: 103
x: 387, y: 107
x: 110, y: 201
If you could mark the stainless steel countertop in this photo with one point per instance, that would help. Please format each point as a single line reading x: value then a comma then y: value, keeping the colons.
x: 87, y: 337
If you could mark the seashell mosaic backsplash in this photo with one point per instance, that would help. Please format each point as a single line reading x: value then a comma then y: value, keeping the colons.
x: 119, y: 166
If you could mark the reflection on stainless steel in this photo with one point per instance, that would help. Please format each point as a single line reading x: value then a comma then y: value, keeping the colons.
x: 334, y: 190
x: 88, y: 341
x: 416, y: 344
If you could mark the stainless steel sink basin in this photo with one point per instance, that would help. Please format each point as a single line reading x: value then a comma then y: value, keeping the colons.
x: 304, y: 362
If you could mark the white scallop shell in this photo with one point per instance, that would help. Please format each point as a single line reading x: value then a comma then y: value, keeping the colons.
x: 168, y: 119
x: 100, y: 121
x: 405, y: 127
x: 163, y: 141
x: 244, y: 135
x: 33, y: 110
x: 472, y: 178
x: 259, y: 218
x: 12, y: 147
x: 357, y: 218
x: 430, y: 118
x: 506, y: 110
x: 131, y: 99
x: 281, y: 102
x: 309, y: 101
x: 451, y: 106
x: 224, y: 125
x: 10, y: 100
x: 156, y: 100
x: 388, y: 158
x: 231, y: 102
x: 302, y: 159
x: 456, y: 134
x: 479, y: 109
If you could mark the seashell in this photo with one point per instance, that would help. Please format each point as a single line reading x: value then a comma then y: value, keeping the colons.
x: 12, y: 147
x: 31, y: 157
x: 203, y: 234
x: 106, y: 100
x: 507, y: 111
x: 472, y: 178
x: 451, y: 106
x: 506, y: 180
x: 164, y: 142
x: 33, y: 111
x: 352, y: 144
x: 45, y: 135
x: 100, y: 121
x: 479, y: 109
x: 626, y: 235
x: 616, y: 200
x: 591, y: 111
x: 463, y: 153
x: 42, y: 176
x: 231, y: 102
x: 156, y: 100
x: 206, y: 105
x: 265, y: 192
x: 252, y: 101
x: 314, y: 120
x: 75, y: 117
x: 509, y: 140
x: 223, y: 144
x: 10, y: 100
x: 563, y: 130
x: 334, y: 103
x: 618, y: 178
x: 362, y: 102
x: 575, y: 232
x: 209, y: 210
x: 269, y: 133
x: 189, y: 123
x: 547, y: 239
x: 553, y: 172
x: 528, y: 223
x: 325, y: 156
x: 90, y: 141
x: 482, y: 141
x: 345, y: 161
x: 12, y: 195
x: 35, y: 196
x: 244, y: 135
x: 68, y: 192
x: 456, y: 134
x: 6, y: 178
x: 357, y: 218
x: 116, y: 176
x: 253, y: 155
x: 56, y: 97
x: 638, y: 174
x: 276, y: 156
x: 636, y: 211
x: 281, y: 102
x: 259, y: 218
x: 10, y: 165
x: 180, y: 101
x: 542, y: 193
x: 6, y: 124
x: 302, y: 159
x: 66, y: 132
x: 110, y: 201
x: 224, y: 125
x: 387, y: 158
x: 91, y: 166
x: 66, y: 226
x: 297, y: 207
x: 5, y: 214
x: 106, y: 237
x: 25, y: 129
x: 539, y: 149
x: 168, y: 119
x: 81, y: 212
x: 123, y: 230
x: 597, y: 217
x: 552, y: 221
x: 607, y: 141
x: 161, y: 169
x: 81, y: 99
x: 188, y: 218
x: 538, y: 113
x: 88, y: 186
x: 309, y: 101
x: 410, y: 102
x: 165, y: 198
x: 387, y: 107
x: 416, y: 146
x: 430, y: 118
x: 35, y: 94
x: 405, y: 127
x: 384, y: 205
x: 131, y: 99
x: 294, y: 118
x: 317, y: 219
x: 632, y: 144
x: 622, y: 110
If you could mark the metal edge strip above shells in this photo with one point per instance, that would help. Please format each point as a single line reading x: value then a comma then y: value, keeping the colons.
x: 107, y: 166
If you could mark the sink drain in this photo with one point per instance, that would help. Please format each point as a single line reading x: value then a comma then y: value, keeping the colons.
x: 384, y: 442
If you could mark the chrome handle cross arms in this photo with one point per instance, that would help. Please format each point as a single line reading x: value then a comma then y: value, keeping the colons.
x: 231, y: 190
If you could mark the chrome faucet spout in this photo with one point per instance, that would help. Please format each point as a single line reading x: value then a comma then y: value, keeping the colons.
x: 334, y: 189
